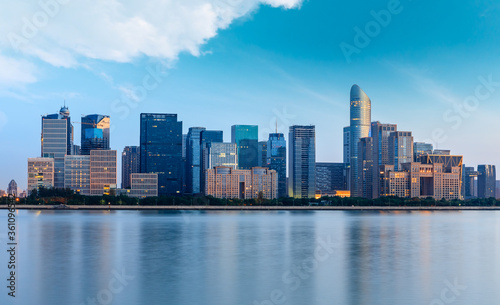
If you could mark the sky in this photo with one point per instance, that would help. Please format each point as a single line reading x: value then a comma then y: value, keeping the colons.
x: 431, y: 67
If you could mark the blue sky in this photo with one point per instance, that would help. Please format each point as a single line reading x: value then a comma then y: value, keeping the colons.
x: 255, y: 62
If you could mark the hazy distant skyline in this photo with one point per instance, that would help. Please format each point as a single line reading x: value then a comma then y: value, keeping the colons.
x: 253, y: 62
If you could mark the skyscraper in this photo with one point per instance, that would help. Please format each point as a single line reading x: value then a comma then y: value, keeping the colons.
x: 276, y: 160
x: 12, y: 188
x: 380, y: 134
x: 468, y: 177
x: 207, y: 138
x: 161, y: 150
x: 262, y: 154
x: 193, y: 160
x: 130, y: 164
x: 77, y: 173
x: 347, y: 158
x: 400, y: 148
x: 95, y: 133
x: 365, y: 167
x: 246, y: 137
x: 360, y: 119
x: 486, y: 181
x: 57, y: 141
x: 220, y: 154
x: 302, y: 161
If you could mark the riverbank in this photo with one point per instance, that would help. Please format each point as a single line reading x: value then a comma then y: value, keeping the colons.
x: 253, y: 208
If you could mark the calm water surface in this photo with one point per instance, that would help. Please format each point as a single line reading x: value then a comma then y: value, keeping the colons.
x: 143, y: 258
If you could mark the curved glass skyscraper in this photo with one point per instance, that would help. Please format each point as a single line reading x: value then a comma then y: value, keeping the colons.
x: 360, y: 128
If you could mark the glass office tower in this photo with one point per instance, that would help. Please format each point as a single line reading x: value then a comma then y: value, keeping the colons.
x: 193, y: 160
x: 161, y: 150
x: 57, y: 141
x: 486, y: 181
x: 276, y: 160
x: 246, y: 137
x: 95, y: 133
x: 302, y: 161
x: 360, y: 118
x: 130, y: 164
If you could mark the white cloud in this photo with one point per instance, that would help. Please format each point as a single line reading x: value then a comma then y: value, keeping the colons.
x: 16, y: 71
x: 63, y: 32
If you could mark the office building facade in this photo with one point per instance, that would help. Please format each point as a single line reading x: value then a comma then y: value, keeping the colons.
x: 486, y: 181
x: 161, y: 150
x: 143, y: 185
x: 102, y: 172
x: 77, y: 173
x: 400, y: 148
x: 246, y: 138
x: 40, y: 173
x: 131, y: 164
x: 276, y: 160
x: 302, y: 161
x: 380, y: 134
x: 95, y: 133
x: 329, y: 177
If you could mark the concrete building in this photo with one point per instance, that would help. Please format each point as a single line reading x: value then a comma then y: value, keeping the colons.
x: 77, y: 173
x: 226, y: 182
x: 102, y: 171
x: 380, y: 134
x: 143, y: 185
x: 40, y: 173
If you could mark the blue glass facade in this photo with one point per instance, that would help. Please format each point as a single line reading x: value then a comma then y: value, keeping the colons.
x: 302, y: 162
x: 276, y: 159
x: 360, y: 118
x: 95, y: 133
x: 193, y: 160
x: 161, y: 150
x: 246, y: 137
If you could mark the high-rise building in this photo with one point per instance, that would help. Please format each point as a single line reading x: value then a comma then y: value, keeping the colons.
x: 380, y: 134
x: 262, y: 154
x: 420, y: 149
x: 400, y: 148
x: 12, y: 188
x: 360, y: 119
x: 486, y: 181
x: 220, y: 154
x: 469, y: 174
x: 77, y: 173
x: 131, y: 163
x: 276, y: 160
x: 143, y: 185
x: 246, y: 137
x: 329, y: 177
x: 207, y: 138
x: 365, y: 167
x: 95, y: 133
x: 498, y: 189
x: 57, y: 141
x: 102, y: 171
x: 226, y: 182
x: 302, y: 161
x: 193, y: 160
x: 161, y: 150
x: 40, y: 173
x: 347, y: 158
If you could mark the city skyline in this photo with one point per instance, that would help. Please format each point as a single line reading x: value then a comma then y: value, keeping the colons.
x: 276, y: 63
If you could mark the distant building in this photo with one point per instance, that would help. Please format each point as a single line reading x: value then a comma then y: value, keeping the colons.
x: 276, y: 160
x: 193, y: 160
x: 12, y: 188
x: 220, y: 154
x: 102, y: 171
x: 246, y: 138
x: 469, y: 175
x: 302, y: 162
x: 442, y: 152
x: 3, y: 193
x: 262, y: 154
x: 347, y: 158
x: 329, y: 177
x: 161, y: 151
x: 498, y: 189
x: 435, y: 180
x: 143, y: 185
x: 77, y: 173
x: 207, y: 138
x: 57, y: 141
x: 400, y: 148
x: 40, y: 173
x: 486, y: 181
x: 420, y: 149
x: 380, y: 134
x: 365, y: 168
x: 225, y: 182
x: 131, y: 164
x: 95, y: 133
